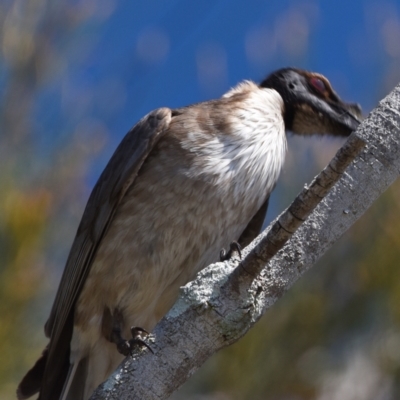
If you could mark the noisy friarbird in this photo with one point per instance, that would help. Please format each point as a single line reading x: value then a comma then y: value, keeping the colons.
x: 183, y: 184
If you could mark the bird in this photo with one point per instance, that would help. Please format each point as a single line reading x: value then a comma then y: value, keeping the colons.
x: 182, y: 184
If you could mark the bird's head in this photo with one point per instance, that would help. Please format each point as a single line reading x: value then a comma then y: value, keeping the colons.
x: 311, y: 105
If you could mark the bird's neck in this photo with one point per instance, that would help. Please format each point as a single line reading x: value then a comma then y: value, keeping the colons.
x: 247, y: 155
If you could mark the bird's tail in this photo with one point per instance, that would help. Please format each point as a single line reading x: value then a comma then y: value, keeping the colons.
x: 32, y: 381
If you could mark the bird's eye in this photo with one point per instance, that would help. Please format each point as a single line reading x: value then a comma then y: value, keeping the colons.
x: 318, y: 84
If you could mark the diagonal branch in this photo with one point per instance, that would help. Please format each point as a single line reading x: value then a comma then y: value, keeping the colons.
x: 226, y: 299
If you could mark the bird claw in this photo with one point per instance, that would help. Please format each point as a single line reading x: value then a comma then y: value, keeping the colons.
x: 137, y: 342
x: 234, y: 247
x: 112, y: 331
x: 126, y: 347
x: 137, y: 339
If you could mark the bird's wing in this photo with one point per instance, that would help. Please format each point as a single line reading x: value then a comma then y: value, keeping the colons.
x: 119, y: 174
x: 253, y: 228
x: 117, y: 177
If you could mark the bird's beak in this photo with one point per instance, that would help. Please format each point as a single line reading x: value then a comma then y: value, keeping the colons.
x: 314, y: 115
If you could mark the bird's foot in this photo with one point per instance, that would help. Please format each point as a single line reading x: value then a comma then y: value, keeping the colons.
x: 137, y: 338
x: 126, y: 347
x: 234, y: 248
x: 112, y: 325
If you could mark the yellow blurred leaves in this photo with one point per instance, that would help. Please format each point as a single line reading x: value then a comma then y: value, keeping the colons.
x: 25, y: 217
x: 377, y: 269
x: 25, y: 213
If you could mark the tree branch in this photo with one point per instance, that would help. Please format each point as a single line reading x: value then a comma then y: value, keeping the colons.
x: 226, y: 299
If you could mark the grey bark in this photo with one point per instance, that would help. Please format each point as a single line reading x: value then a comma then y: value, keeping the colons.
x: 226, y: 299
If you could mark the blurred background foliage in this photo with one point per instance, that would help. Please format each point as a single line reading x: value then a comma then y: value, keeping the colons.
x: 75, y: 75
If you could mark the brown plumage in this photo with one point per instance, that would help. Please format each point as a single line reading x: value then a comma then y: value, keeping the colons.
x: 181, y: 185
